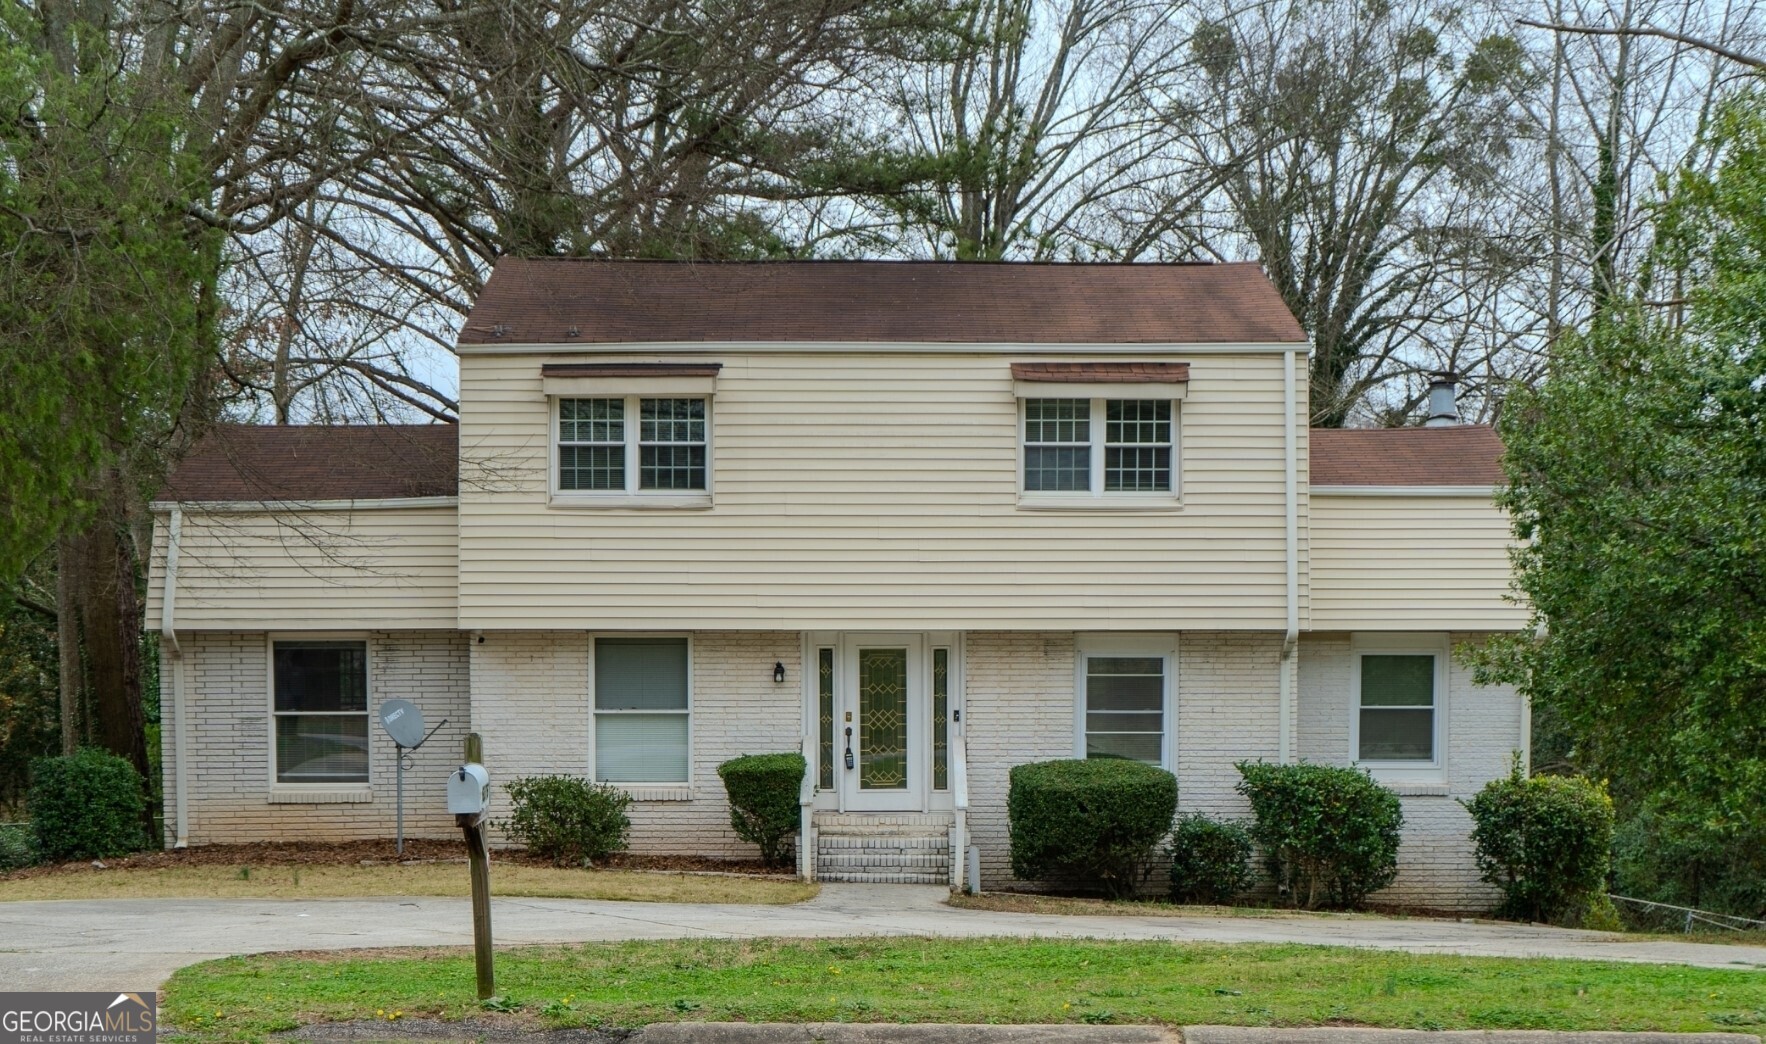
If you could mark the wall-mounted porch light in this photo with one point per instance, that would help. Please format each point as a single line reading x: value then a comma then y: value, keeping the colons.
x: 778, y: 673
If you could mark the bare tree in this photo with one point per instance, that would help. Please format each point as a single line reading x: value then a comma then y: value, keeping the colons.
x: 1624, y: 89
x: 630, y: 128
x: 1362, y: 149
x: 251, y: 90
x: 1043, y: 133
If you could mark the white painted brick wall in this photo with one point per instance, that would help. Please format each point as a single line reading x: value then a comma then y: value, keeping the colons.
x: 226, y: 680
x: 1228, y: 711
x: 1017, y: 708
x: 1435, y: 863
x: 1020, y: 708
x: 531, y: 700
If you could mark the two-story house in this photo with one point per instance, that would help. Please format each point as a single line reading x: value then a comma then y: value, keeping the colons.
x: 921, y: 521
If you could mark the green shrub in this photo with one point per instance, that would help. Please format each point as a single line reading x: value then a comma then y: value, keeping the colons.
x: 1545, y: 841
x: 764, y: 791
x: 15, y: 847
x: 1210, y: 860
x: 1689, y: 853
x: 1329, y: 835
x: 1594, y: 912
x: 566, y: 819
x: 1095, y: 822
x: 88, y: 805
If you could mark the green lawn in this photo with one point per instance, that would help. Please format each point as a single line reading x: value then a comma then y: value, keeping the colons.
x: 987, y: 980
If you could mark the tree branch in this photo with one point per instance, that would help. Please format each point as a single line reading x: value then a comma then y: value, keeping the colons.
x: 36, y: 607
x: 1645, y: 30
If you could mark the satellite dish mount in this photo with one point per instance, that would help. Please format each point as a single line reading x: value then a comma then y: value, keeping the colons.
x: 404, y: 723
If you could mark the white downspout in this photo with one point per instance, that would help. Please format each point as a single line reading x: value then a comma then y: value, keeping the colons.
x: 1291, y: 482
x: 180, y: 718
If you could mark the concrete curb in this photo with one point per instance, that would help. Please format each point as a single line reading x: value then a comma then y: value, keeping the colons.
x: 428, y: 1031
x: 893, y: 1033
x: 1349, y: 1035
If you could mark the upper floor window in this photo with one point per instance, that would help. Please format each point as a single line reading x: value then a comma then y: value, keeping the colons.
x: 634, y: 446
x: 1099, y: 447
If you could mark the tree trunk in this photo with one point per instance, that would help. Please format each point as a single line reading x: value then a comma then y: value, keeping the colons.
x: 109, y: 613
x: 67, y: 641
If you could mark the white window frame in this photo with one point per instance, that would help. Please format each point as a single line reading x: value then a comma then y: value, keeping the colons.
x: 361, y: 788
x: 659, y: 790
x: 1436, y: 645
x: 1161, y: 645
x: 632, y: 496
x: 1098, y: 498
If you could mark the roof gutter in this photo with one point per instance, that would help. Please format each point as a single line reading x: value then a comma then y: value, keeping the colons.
x: 713, y: 348
x: 1291, y: 495
x: 273, y: 506
x: 168, y: 631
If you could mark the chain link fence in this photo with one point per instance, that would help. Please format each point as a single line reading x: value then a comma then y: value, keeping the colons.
x: 1648, y: 916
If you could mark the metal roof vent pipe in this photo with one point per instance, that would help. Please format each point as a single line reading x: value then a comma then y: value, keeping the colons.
x: 1443, y: 399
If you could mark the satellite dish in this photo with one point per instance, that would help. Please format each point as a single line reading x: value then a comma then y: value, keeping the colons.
x: 403, y: 722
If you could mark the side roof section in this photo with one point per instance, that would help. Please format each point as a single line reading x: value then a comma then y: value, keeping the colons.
x: 324, y: 462
x: 1457, y: 455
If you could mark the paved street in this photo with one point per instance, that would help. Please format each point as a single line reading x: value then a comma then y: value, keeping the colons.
x: 136, y: 943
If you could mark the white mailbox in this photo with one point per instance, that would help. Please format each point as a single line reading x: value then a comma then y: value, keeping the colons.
x: 469, y: 790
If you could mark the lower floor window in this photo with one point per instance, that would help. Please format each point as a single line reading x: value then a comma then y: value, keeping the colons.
x: 1124, y: 705
x: 642, y: 710
x: 1396, y: 713
x: 320, y: 707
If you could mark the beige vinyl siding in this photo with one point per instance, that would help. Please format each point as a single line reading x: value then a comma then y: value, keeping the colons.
x: 1410, y: 563
x: 857, y: 490
x: 309, y: 570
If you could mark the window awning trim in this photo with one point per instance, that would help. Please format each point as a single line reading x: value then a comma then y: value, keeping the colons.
x: 616, y: 379
x: 1099, y: 390
x: 1100, y: 380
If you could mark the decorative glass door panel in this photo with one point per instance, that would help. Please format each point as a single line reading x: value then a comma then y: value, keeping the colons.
x: 882, y: 724
x: 883, y: 719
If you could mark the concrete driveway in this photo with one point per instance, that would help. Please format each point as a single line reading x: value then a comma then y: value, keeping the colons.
x: 135, y: 944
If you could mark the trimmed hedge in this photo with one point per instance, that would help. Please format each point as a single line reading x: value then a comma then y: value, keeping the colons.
x: 1545, y: 841
x: 764, y: 790
x: 16, y: 850
x: 1329, y: 835
x: 566, y: 819
x: 86, y: 805
x: 1096, y: 822
x: 1210, y: 860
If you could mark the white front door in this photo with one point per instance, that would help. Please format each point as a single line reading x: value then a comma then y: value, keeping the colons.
x: 881, y: 723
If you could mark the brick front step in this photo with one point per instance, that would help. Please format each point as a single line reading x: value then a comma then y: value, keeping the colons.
x: 883, y: 862
x: 883, y: 847
x: 884, y: 842
x: 922, y: 823
x: 890, y: 878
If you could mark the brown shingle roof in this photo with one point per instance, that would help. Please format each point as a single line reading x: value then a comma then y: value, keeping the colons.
x: 1459, y: 455
x: 1103, y: 372
x: 254, y: 462
x: 569, y: 301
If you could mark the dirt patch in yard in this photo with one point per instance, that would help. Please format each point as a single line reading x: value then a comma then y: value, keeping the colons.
x: 488, y: 1030
x: 1044, y: 903
x: 371, y: 853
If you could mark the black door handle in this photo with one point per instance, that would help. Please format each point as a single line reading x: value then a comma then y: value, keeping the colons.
x: 849, y: 746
